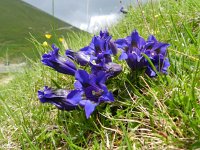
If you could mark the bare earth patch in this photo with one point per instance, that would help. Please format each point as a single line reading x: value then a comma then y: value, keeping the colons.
x: 6, y: 80
x: 5, y: 71
x: 11, y: 67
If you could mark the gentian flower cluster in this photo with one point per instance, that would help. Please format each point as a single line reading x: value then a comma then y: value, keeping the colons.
x: 134, y: 47
x: 90, y: 89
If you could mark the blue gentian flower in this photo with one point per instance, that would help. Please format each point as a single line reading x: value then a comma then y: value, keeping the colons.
x: 100, y: 48
x: 134, y: 46
x: 157, y: 52
x: 132, y: 49
x: 98, y: 55
x: 93, y: 90
x: 80, y: 57
x: 161, y: 64
x: 111, y: 69
x: 59, y: 98
x: 59, y: 63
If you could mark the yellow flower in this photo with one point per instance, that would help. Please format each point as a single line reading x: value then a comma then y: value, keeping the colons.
x: 157, y: 31
x: 45, y: 43
x: 48, y: 36
x: 61, y: 39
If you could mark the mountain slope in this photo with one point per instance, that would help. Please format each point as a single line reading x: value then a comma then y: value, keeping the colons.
x: 17, y: 20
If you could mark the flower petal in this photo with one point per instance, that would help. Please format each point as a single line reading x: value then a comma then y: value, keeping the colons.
x: 69, y: 53
x: 101, y: 77
x: 151, y: 38
x: 121, y: 43
x: 150, y: 72
x: 123, y: 56
x: 82, y: 58
x: 74, y: 97
x: 89, y: 108
x: 137, y: 40
x: 165, y: 66
x: 112, y: 69
x: 82, y: 76
x: 107, y: 97
x: 113, y: 48
x: 78, y: 85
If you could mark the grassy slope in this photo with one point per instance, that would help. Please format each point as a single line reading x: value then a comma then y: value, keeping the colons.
x: 150, y: 114
x: 18, y: 20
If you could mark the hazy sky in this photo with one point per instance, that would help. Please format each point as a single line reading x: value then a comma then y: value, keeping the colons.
x: 89, y: 15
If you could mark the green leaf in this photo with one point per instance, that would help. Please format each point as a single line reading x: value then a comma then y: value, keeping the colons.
x: 56, y: 84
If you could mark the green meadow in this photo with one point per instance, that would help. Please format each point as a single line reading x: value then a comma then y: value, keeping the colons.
x: 149, y: 113
x: 20, y: 21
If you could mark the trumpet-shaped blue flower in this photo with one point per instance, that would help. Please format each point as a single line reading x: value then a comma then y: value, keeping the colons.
x: 111, y: 69
x: 157, y: 52
x: 59, y: 98
x: 98, y: 55
x: 100, y: 48
x: 59, y: 63
x: 93, y: 90
x: 80, y: 57
x: 133, y: 49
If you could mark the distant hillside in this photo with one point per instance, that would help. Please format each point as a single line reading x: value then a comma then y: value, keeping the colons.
x: 17, y: 20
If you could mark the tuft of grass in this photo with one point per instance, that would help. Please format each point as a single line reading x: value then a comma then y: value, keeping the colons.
x: 158, y: 113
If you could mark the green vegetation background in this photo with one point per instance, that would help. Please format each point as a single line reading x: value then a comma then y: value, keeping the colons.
x: 158, y: 113
x: 19, y: 20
